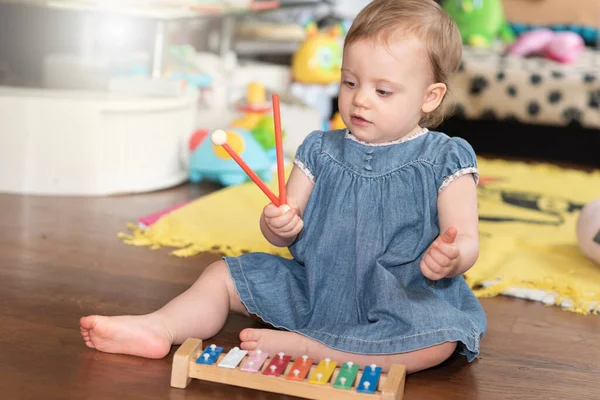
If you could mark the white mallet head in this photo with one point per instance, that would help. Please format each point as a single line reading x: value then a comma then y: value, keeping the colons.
x: 219, y: 137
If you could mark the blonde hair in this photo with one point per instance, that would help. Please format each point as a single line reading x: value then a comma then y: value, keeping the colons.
x: 422, y: 19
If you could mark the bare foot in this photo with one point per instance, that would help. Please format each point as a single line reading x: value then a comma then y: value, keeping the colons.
x: 273, y: 342
x: 143, y: 335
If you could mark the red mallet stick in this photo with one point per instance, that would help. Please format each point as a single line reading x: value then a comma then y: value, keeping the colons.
x: 219, y: 138
x: 279, y: 149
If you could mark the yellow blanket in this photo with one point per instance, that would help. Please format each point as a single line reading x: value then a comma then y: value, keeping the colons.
x: 528, y: 214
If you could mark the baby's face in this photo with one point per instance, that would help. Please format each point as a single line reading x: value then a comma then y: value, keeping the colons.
x: 383, y: 88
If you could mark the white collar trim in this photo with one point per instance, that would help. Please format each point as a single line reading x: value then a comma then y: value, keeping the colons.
x: 407, y: 138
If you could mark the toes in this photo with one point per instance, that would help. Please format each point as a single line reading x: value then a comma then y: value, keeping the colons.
x: 85, y: 334
x: 249, y: 346
x: 88, y: 322
x: 250, y: 334
x: 89, y: 344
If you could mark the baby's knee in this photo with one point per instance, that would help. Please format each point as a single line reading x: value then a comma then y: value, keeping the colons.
x: 443, y: 352
x: 219, y: 272
x: 430, y: 357
x: 216, y: 268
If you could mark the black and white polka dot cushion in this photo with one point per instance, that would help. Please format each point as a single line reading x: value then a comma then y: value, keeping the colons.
x: 494, y: 85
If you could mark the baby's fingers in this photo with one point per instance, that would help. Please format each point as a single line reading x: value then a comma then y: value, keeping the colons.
x: 290, y: 225
x: 282, y: 220
x: 449, y: 250
x: 293, y: 228
x: 440, y: 258
x: 430, y: 268
x: 271, y: 211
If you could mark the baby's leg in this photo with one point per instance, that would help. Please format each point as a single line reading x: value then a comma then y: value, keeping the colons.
x: 296, y: 345
x: 198, y: 312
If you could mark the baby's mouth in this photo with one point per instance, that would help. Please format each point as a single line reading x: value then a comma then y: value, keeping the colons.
x: 360, y: 119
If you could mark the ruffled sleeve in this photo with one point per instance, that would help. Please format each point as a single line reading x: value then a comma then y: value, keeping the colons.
x: 456, y: 158
x: 307, y: 155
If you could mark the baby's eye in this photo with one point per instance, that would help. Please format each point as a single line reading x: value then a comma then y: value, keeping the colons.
x: 350, y: 84
x: 383, y: 93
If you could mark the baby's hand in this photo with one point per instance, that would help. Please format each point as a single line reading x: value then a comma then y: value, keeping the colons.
x: 284, y: 221
x: 442, y: 257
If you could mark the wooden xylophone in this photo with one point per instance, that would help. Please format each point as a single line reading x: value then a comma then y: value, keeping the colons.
x: 278, y: 374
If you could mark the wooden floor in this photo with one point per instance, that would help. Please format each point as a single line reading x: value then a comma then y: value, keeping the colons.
x: 60, y: 259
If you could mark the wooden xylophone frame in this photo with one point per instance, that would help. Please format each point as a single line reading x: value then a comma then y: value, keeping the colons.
x: 185, y: 368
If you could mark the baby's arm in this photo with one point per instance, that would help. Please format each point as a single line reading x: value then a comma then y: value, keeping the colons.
x: 456, y: 249
x: 279, y: 227
x: 457, y: 207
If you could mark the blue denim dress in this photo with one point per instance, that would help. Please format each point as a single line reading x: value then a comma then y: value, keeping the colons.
x: 355, y: 283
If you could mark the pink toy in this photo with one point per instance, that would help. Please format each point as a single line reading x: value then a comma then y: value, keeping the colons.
x: 149, y: 220
x: 563, y: 47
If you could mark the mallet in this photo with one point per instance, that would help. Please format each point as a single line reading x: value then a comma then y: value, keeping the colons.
x: 219, y: 138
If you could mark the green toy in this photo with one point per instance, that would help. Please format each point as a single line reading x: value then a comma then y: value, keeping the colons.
x: 480, y: 22
x: 264, y: 132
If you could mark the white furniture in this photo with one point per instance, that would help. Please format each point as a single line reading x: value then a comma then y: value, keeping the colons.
x: 92, y: 143
x: 58, y: 141
x: 165, y: 11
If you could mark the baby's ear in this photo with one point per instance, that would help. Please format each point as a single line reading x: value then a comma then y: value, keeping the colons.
x: 433, y: 97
